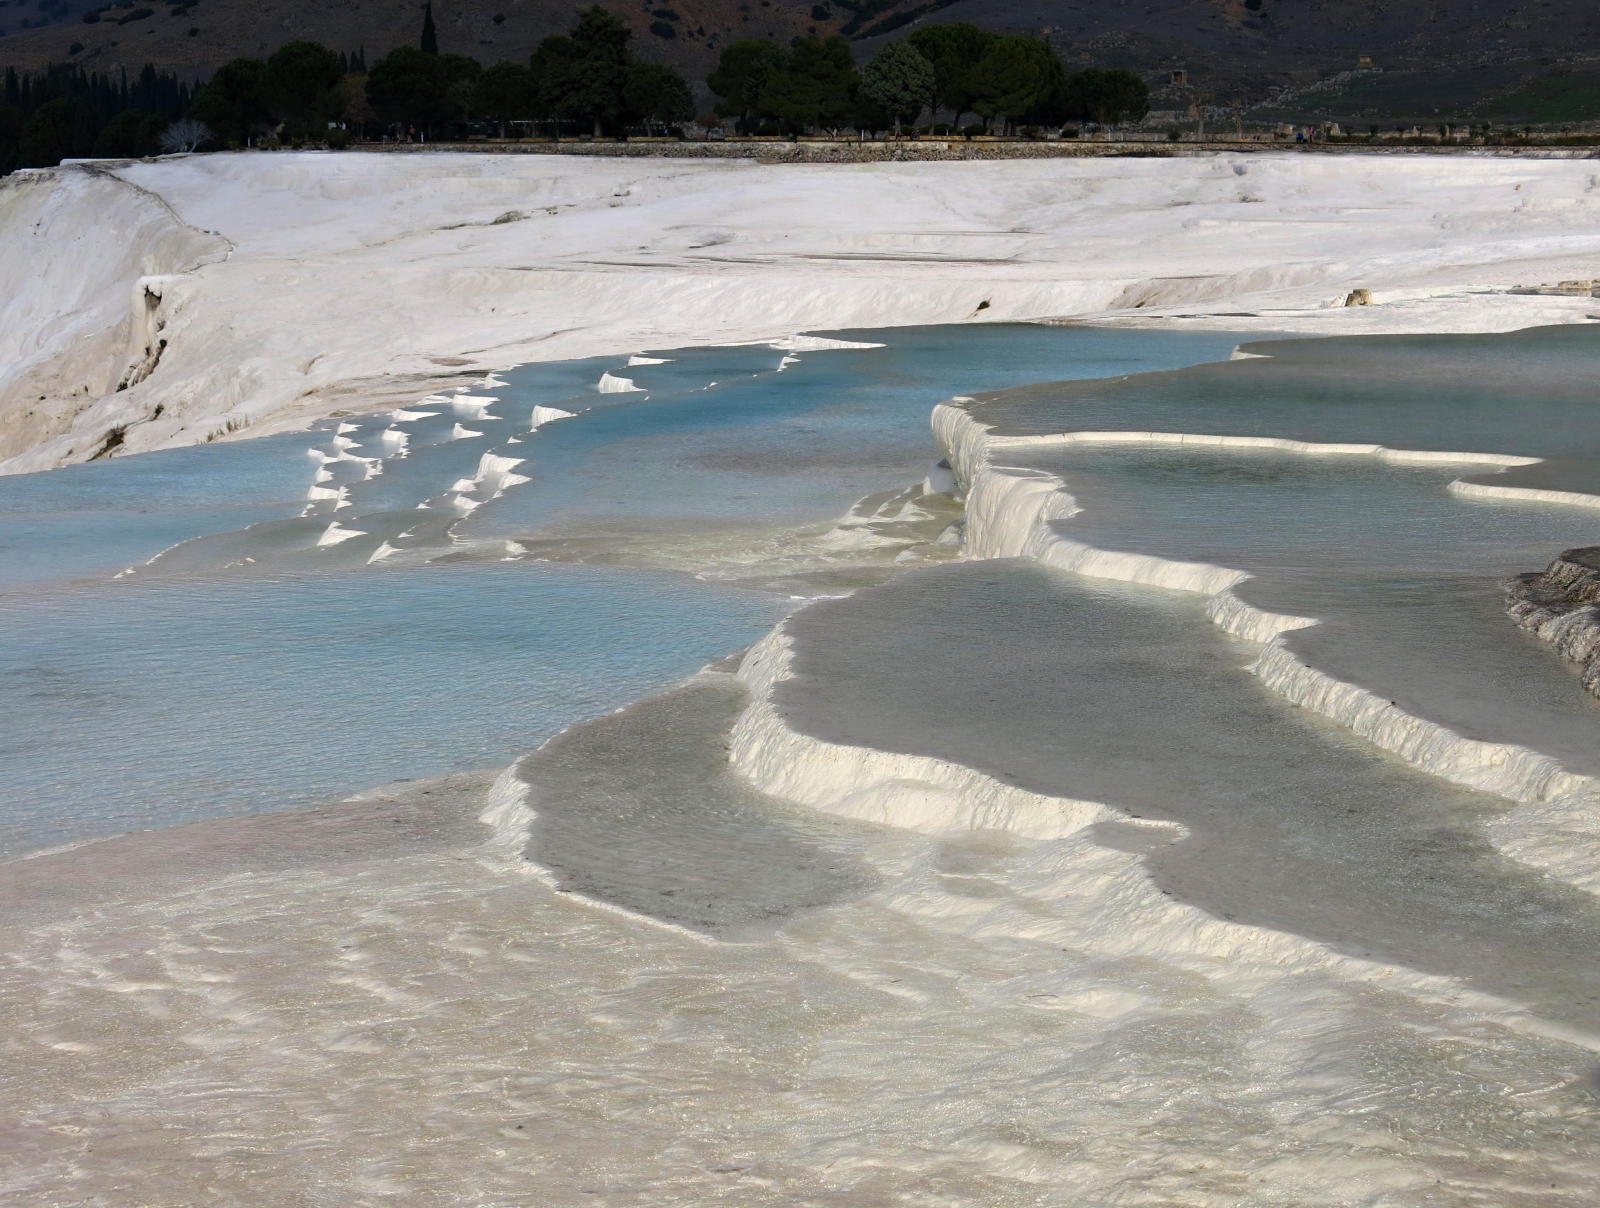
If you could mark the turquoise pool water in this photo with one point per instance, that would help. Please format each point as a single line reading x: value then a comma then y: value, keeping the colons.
x: 241, y: 666
x: 793, y: 446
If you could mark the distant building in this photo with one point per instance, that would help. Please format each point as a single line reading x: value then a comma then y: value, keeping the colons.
x: 1179, y: 78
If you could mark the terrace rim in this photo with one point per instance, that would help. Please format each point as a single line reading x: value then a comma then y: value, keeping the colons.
x: 934, y: 150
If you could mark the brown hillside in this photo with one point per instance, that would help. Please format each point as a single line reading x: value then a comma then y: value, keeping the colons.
x: 193, y: 37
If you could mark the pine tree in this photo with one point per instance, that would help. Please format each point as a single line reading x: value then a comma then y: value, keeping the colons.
x: 1015, y: 75
x: 741, y: 74
x: 581, y: 74
x: 953, y: 49
x: 814, y: 85
x: 898, y: 80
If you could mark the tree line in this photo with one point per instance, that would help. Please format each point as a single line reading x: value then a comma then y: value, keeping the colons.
x: 67, y: 113
x: 587, y: 79
x: 588, y: 76
x: 1009, y: 81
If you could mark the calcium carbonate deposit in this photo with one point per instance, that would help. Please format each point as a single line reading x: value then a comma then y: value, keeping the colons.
x: 650, y: 771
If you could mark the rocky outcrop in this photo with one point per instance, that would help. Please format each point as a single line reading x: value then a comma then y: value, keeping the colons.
x: 1561, y: 604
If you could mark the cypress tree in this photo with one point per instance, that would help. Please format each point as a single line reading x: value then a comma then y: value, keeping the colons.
x: 430, y: 36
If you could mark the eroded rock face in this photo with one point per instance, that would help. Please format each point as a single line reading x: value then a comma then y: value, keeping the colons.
x: 1561, y: 604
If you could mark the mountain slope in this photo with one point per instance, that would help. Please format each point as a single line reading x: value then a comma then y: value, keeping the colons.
x: 1436, y: 56
x: 195, y: 36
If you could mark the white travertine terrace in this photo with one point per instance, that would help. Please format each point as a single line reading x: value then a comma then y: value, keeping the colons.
x: 1010, y: 513
x: 274, y: 289
x: 912, y: 791
x: 1024, y: 1017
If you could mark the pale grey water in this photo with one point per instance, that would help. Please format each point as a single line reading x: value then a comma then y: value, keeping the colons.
x: 1528, y: 392
x: 640, y: 810
x: 1404, y: 575
x: 1126, y: 695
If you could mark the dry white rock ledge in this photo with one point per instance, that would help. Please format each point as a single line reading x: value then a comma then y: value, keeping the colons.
x: 150, y: 305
